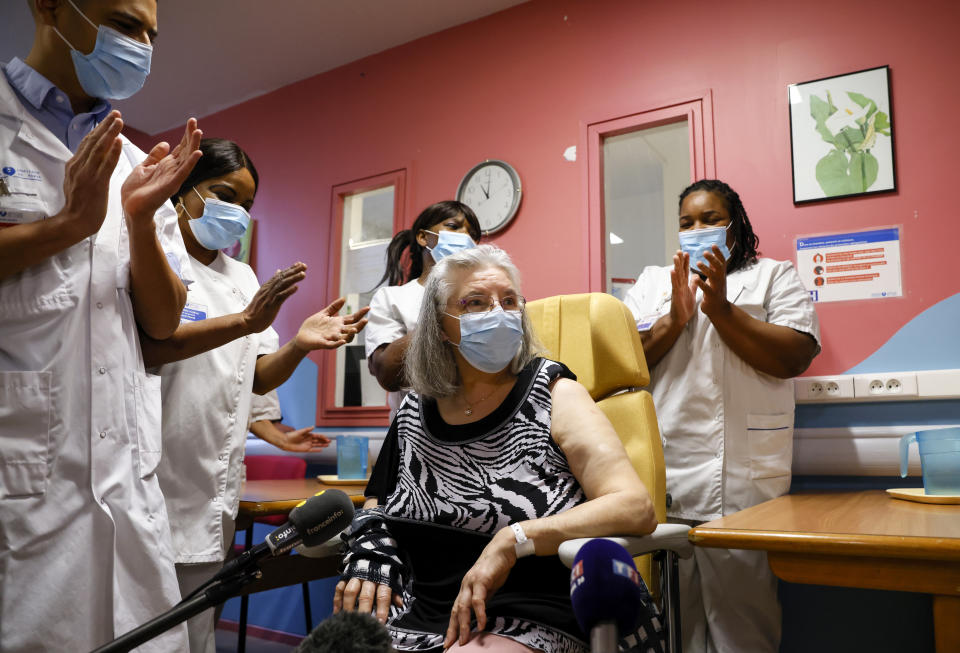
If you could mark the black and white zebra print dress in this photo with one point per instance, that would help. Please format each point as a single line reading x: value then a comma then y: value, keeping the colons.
x: 444, y: 491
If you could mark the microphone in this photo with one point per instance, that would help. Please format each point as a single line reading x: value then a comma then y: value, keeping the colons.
x: 606, y: 593
x: 313, y: 521
x: 348, y: 632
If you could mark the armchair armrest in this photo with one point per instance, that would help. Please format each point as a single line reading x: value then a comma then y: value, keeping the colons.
x: 667, y: 537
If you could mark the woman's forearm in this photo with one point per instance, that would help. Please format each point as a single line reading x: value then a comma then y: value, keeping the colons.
x: 192, y: 338
x: 659, y: 339
x: 618, y: 513
x: 770, y: 348
x: 273, y: 369
x: 157, y: 294
x: 386, y: 364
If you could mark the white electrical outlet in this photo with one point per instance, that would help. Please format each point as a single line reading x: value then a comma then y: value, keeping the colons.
x: 879, y: 386
x: 823, y: 388
x: 885, y: 385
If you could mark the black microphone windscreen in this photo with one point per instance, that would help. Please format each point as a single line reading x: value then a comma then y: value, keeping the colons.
x: 348, y: 632
x: 322, y: 516
x: 605, y: 586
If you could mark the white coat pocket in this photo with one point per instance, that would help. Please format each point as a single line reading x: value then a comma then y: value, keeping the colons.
x: 25, y: 425
x: 770, y: 439
x: 148, y: 422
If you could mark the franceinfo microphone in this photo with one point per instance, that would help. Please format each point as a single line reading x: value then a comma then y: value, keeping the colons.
x: 311, y: 522
x: 606, y: 593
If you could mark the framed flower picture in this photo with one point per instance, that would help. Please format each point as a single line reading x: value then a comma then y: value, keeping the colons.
x: 841, y: 136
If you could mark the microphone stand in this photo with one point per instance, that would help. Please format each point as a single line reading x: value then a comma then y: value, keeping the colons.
x: 603, y: 637
x: 217, y: 592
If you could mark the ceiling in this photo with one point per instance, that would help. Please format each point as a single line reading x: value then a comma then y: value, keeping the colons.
x: 217, y: 53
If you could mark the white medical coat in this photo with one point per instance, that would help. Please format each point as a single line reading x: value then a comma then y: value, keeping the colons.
x: 206, y: 412
x: 727, y: 428
x: 394, y: 311
x: 85, y: 551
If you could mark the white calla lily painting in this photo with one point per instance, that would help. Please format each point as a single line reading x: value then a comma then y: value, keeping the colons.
x: 841, y: 135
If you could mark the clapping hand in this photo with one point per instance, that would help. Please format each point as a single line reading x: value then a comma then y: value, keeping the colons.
x: 327, y: 330
x: 86, y: 182
x: 159, y: 176
x: 266, y: 303
x: 684, y: 291
x: 714, y: 283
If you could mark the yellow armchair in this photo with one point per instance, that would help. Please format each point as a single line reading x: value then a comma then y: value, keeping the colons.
x: 595, y: 335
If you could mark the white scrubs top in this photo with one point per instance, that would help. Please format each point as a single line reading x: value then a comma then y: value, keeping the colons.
x: 394, y: 311
x: 265, y: 407
x: 85, y: 551
x: 206, y: 412
x: 727, y: 428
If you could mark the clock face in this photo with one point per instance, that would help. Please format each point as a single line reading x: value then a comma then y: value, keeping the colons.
x: 492, y: 190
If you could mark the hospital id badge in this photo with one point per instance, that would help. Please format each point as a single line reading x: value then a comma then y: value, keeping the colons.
x: 20, y: 209
x: 193, y: 312
x: 646, y: 322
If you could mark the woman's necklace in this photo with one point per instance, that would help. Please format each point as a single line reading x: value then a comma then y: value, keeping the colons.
x: 468, y: 411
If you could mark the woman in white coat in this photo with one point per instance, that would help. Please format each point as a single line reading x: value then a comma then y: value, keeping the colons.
x: 722, y: 344
x: 440, y: 230
x: 223, y: 349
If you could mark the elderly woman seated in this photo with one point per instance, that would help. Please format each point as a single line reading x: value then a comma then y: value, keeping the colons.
x: 497, y: 455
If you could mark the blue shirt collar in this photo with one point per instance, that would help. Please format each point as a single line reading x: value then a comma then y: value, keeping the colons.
x: 51, y: 106
x: 37, y: 89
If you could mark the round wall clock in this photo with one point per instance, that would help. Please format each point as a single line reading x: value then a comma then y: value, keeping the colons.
x: 492, y: 190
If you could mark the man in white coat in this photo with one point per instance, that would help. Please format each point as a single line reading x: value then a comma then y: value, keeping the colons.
x: 722, y: 343
x: 89, y: 253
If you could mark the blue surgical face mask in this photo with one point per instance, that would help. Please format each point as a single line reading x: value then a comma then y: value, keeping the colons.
x: 221, y: 225
x: 117, y: 67
x: 449, y: 242
x: 491, y: 340
x: 697, y: 241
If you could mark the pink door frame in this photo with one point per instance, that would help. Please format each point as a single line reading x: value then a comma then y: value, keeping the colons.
x: 697, y: 111
x: 328, y: 413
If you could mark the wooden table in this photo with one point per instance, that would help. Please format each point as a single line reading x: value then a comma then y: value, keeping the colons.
x: 855, y: 539
x: 279, y: 497
x: 263, y: 498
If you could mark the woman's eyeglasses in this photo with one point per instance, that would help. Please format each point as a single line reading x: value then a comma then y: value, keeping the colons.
x: 483, y: 303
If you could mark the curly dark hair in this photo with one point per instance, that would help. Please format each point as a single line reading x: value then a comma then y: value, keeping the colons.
x: 746, y: 242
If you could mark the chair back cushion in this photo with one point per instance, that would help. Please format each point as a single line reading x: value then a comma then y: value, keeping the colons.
x: 595, y: 335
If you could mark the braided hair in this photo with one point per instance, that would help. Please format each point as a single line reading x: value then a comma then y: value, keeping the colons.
x: 406, y: 240
x: 745, y: 241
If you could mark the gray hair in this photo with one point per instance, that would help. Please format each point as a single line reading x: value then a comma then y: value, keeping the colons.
x: 429, y: 364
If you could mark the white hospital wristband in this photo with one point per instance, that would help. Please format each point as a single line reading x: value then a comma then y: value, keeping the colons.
x: 523, y: 547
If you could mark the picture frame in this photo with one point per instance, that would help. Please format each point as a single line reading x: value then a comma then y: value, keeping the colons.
x: 841, y: 136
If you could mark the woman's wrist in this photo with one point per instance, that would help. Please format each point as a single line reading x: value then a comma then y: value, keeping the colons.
x: 505, y: 542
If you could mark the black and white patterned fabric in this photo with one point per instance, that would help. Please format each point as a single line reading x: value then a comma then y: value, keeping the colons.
x: 514, y: 472
x: 450, y: 494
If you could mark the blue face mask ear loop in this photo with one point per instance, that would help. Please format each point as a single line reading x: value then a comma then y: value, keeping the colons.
x: 184, y: 206
x: 92, y: 24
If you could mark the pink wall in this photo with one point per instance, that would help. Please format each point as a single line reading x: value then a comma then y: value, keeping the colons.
x: 519, y: 84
